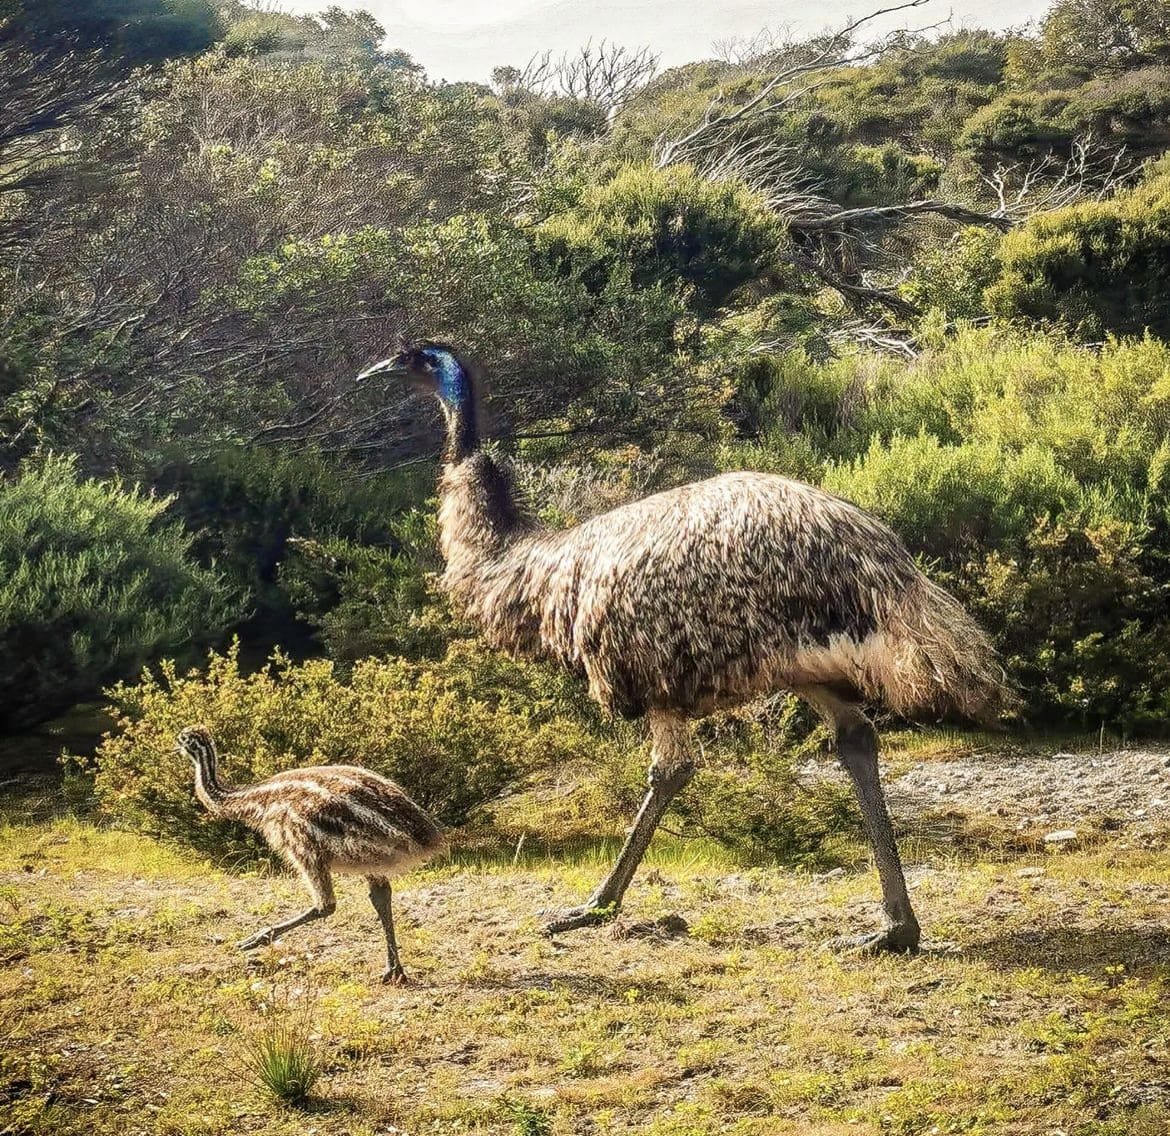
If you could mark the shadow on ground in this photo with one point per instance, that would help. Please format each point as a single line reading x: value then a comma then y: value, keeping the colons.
x: 1143, y: 951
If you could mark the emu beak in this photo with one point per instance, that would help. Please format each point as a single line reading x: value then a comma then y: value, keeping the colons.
x: 392, y: 366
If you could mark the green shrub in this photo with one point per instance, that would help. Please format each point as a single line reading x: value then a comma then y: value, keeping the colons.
x: 1096, y: 268
x: 1081, y: 623
x: 749, y: 795
x: 1018, y: 126
x: 952, y: 279
x: 365, y: 601
x: 1103, y: 35
x: 888, y: 173
x: 94, y: 582
x: 456, y: 732
x: 1033, y: 472
x: 786, y: 394
x: 941, y: 499
x: 246, y: 504
x: 663, y: 226
x: 1103, y: 413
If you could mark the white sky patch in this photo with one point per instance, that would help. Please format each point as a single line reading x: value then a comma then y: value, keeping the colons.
x: 465, y: 39
x: 454, y: 15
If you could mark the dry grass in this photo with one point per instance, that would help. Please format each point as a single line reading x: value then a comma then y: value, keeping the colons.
x: 1041, y: 1009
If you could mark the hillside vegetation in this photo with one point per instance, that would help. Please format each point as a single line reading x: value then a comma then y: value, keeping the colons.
x: 928, y: 273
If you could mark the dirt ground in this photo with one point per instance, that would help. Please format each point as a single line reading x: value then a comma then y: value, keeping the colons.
x: 713, y: 1006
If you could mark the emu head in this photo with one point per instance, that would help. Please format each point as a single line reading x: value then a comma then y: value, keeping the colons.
x: 197, y: 743
x: 432, y: 368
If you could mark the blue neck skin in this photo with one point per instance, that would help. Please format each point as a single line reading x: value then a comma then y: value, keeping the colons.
x: 454, y: 389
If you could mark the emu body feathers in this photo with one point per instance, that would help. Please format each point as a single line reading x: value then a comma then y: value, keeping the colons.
x: 323, y: 819
x: 712, y: 593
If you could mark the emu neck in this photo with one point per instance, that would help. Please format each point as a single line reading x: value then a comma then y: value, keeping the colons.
x: 207, y: 787
x: 479, y: 515
x: 457, y: 395
x: 462, y: 431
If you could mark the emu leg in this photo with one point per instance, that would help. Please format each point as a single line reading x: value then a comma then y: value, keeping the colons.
x: 318, y: 881
x: 857, y: 750
x: 671, y: 768
x: 380, y: 898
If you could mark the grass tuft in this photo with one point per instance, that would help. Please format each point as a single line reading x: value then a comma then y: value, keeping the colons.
x: 527, y: 1119
x: 284, y: 1060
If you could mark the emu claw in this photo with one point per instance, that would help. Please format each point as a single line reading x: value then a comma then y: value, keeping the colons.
x: 395, y: 976
x: 587, y: 915
x: 898, y: 940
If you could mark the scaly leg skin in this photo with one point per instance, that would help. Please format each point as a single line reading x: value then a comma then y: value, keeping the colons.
x: 315, y: 874
x: 672, y: 767
x: 857, y: 746
x: 263, y: 938
x: 394, y: 975
x: 380, y: 898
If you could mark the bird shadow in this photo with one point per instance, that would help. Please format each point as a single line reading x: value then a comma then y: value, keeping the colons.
x: 1142, y: 951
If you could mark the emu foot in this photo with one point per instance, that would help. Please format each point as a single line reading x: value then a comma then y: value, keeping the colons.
x: 898, y: 940
x: 587, y: 915
x: 395, y: 976
x: 260, y: 939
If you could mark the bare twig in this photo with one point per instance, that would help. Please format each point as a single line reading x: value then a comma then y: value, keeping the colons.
x: 1089, y: 173
x: 603, y: 73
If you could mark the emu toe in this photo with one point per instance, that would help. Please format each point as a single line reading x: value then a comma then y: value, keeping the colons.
x: 260, y: 939
x: 898, y: 940
x: 395, y: 976
x: 583, y: 916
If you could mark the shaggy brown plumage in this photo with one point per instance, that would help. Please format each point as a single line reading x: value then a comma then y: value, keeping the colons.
x: 713, y: 593
x: 706, y: 596
x: 323, y: 819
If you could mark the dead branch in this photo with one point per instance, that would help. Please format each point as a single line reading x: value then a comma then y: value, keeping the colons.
x: 858, y: 294
x: 605, y: 73
x: 779, y: 91
x: 1089, y: 173
x: 844, y: 219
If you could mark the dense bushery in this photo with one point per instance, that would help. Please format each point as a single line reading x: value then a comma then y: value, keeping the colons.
x: 927, y: 274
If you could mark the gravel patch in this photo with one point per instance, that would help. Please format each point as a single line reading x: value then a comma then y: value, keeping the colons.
x: 1124, y: 789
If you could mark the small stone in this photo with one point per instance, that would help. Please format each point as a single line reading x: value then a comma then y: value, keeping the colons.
x: 1029, y: 873
x: 1060, y: 836
x: 832, y: 874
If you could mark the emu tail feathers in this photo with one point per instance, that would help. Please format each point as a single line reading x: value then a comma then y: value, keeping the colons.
x: 941, y: 663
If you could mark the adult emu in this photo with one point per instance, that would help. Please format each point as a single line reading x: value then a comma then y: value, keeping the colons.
x: 707, y: 596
